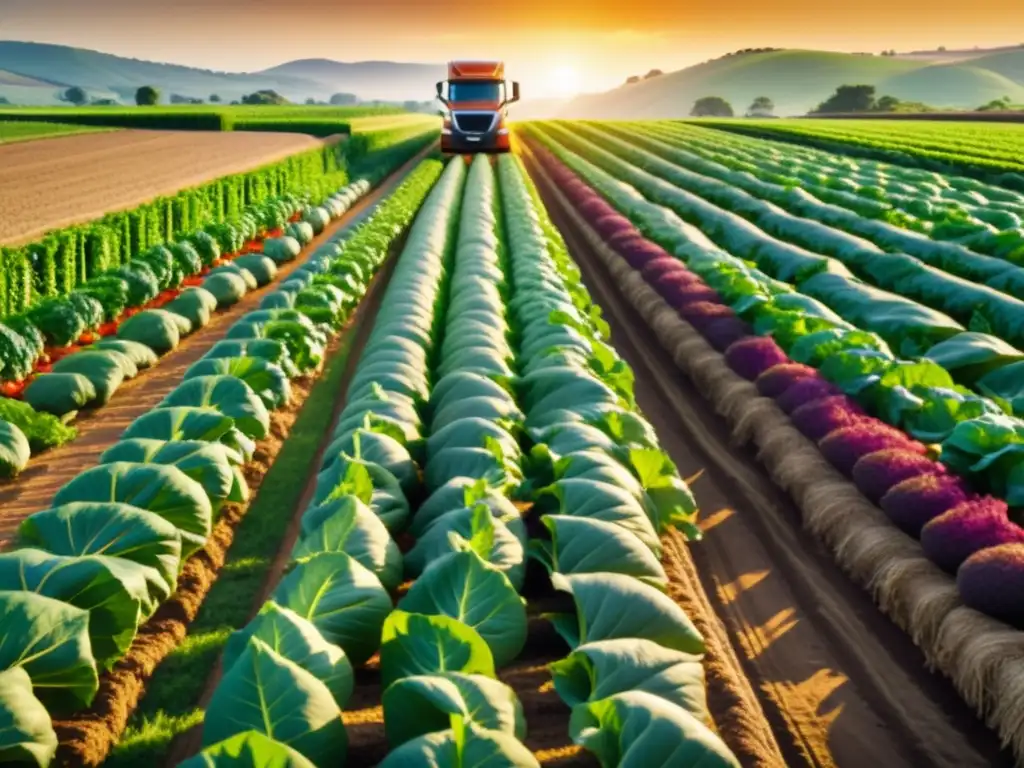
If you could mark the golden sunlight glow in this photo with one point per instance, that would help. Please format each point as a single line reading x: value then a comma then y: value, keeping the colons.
x: 565, y: 81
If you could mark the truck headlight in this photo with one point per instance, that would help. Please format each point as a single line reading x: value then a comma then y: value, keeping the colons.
x: 503, y: 131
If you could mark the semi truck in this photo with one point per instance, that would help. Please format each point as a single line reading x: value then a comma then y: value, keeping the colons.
x: 475, y: 98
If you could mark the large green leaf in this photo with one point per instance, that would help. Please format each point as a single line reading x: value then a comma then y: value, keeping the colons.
x: 209, y: 464
x: 50, y: 640
x: 264, y: 691
x: 27, y: 737
x: 346, y: 524
x: 15, y: 450
x: 969, y: 356
x: 605, y: 600
x: 113, y: 530
x: 163, y: 490
x: 640, y: 730
x: 465, y: 587
x: 342, y: 598
x: 414, y: 706
x: 459, y: 493
x: 228, y: 395
x: 489, y: 537
x: 266, y: 379
x: 601, y: 669
x: 463, y: 746
x: 348, y: 475
x: 585, y: 545
x: 415, y: 644
x: 249, y: 749
x: 183, y: 423
x: 601, y: 501
x: 114, y: 591
x: 297, y: 640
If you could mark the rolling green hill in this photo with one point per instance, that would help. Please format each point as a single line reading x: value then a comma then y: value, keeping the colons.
x: 797, y: 81
x: 1009, y: 64
x: 952, y: 85
x: 37, y: 73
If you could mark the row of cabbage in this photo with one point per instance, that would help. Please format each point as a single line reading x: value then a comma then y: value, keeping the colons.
x: 825, y: 246
x: 966, y: 534
x: 89, y: 377
x: 979, y: 216
x: 99, y: 562
x: 460, y: 444
x: 934, y: 397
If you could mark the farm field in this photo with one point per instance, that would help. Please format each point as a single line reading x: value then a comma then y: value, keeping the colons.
x: 649, y: 439
x: 201, y: 117
x: 988, y: 150
x: 56, y: 183
x: 11, y: 132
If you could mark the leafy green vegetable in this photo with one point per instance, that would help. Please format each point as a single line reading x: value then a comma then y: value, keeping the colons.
x: 27, y: 737
x: 266, y: 692
x: 463, y: 746
x: 415, y: 644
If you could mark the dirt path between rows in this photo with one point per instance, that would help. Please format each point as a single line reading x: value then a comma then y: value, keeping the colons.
x: 45, y: 185
x: 839, y: 683
x: 35, y: 487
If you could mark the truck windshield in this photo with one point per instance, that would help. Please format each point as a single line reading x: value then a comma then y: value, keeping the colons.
x: 486, y: 91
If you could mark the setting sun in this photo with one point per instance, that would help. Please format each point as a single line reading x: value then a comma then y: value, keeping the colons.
x: 565, y: 81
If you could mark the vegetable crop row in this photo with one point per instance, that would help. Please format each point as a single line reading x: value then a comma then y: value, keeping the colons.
x: 960, y: 531
x: 918, y: 395
x: 980, y: 217
x: 917, y: 275
x: 133, y: 314
x: 97, y: 564
x: 447, y: 396
x: 847, y: 139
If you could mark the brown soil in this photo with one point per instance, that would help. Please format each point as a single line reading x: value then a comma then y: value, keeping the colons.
x: 98, y: 430
x: 64, y: 181
x: 840, y: 685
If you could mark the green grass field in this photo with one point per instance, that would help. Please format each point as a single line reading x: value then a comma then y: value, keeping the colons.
x: 11, y: 132
x: 209, y: 117
x: 975, y: 148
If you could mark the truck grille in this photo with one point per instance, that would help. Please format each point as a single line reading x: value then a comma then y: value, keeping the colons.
x: 473, y: 122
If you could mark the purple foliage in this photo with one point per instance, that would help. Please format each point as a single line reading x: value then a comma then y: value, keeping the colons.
x: 753, y: 356
x: 680, y: 296
x: 806, y: 390
x: 592, y: 207
x: 777, y: 379
x: 725, y: 331
x: 846, y: 446
x: 877, y: 472
x: 667, y: 265
x: 914, y: 502
x: 992, y: 581
x: 954, y: 536
x: 639, y: 252
x: 819, y: 418
x: 610, y: 223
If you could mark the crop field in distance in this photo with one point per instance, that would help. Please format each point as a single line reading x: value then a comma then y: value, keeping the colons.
x: 680, y: 439
x: 980, y: 146
x: 12, y: 131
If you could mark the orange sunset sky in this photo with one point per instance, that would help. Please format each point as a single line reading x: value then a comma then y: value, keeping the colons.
x: 552, y: 46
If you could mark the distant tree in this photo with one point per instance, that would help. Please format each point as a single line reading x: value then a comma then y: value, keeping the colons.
x: 104, y: 103
x: 76, y: 96
x: 711, y: 106
x: 632, y: 79
x: 344, y: 100
x: 411, y: 106
x: 762, y: 106
x: 264, y: 97
x: 147, y: 96
x: 997, y: 105
x: 4, y: 100
x: 310, y: 101
x: 214, y: 98
x: 887, y: 104
x: 942, y: 48
x: 653, y: 73
x: 848, y: 98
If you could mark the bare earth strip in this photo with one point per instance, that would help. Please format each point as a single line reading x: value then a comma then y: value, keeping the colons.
x: 59, y: 182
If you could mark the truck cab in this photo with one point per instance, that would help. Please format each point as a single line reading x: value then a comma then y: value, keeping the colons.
x: 475, y: 98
